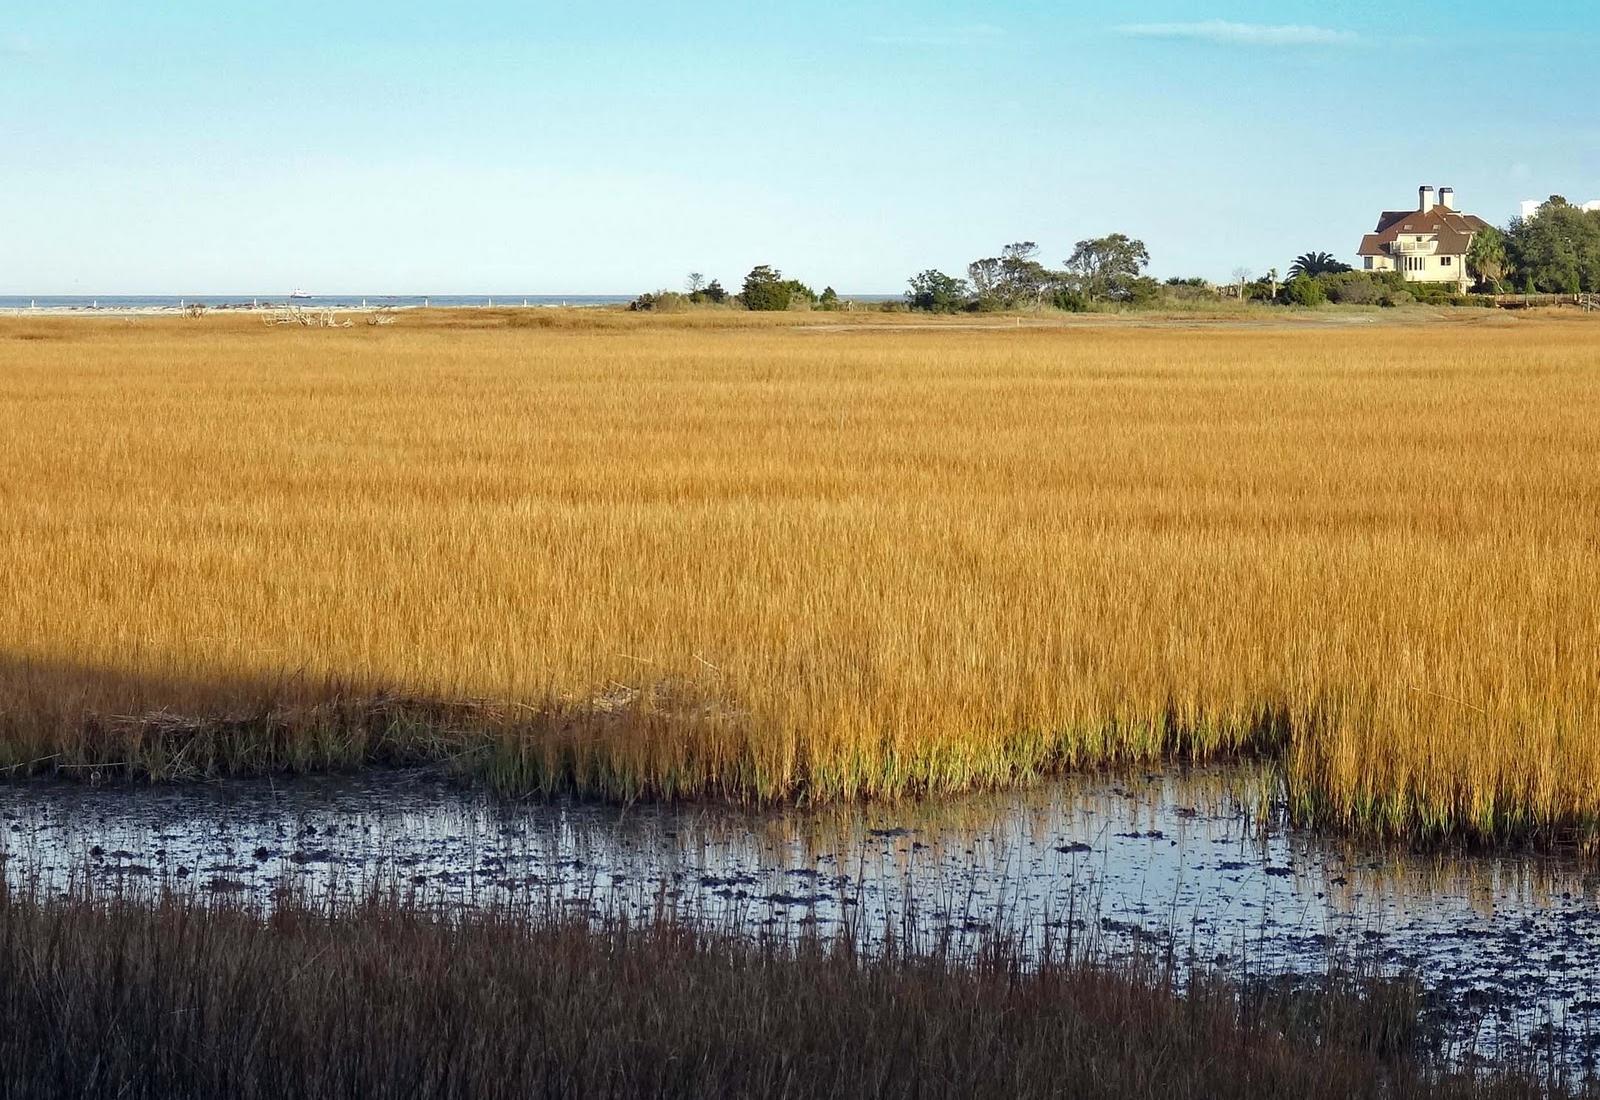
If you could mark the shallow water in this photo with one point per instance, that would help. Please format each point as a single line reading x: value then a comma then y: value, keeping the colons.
x: 1508, y: 946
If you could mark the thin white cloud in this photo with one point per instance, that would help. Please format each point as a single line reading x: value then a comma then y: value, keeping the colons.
x: 976, y: 34
x: 1221, y: 32
x: 15, y: 45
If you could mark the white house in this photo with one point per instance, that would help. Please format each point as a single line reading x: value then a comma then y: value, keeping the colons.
x: 1428, y: 244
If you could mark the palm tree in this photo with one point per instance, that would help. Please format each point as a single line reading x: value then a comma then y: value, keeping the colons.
x: 1316, y: 263
x: 1486, y: 257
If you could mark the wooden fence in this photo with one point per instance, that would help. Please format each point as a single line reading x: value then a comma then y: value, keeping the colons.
x: 1531, y: 301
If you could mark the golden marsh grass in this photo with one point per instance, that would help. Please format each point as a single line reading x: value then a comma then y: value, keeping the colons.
x: 756, y: 559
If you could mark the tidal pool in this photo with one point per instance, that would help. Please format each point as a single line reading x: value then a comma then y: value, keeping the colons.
x: 1188, y: 862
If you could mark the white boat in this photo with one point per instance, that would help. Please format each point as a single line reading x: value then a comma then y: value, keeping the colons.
x: 299, y: 294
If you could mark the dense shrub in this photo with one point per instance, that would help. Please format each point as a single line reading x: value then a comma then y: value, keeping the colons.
x: 766, y: 290
x: 710, y: 294
x: 932, y: 291
x: 1071, y: 300
x: 1140, y: 291
x: 1352, y: 288
x: 1189, y: 290
x: 1304, y: 290
x: 661, y: 301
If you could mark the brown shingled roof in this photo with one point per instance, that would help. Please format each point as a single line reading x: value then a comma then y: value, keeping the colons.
x: 1453, y: 229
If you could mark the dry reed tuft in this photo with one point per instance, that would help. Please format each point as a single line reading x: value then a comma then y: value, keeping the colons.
x: 719, y: 556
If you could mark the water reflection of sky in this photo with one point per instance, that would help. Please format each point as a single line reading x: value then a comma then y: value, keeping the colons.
x: 1509, y: 944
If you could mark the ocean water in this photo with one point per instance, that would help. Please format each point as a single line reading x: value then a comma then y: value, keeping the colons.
x: 318, y: 301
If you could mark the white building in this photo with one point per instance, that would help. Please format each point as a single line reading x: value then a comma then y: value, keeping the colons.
x: 1428, y: 244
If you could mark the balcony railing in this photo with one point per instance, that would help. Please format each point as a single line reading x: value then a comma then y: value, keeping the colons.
x: 1406, y: 246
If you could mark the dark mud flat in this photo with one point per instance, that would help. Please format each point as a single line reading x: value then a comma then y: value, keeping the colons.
x: 1507, y: 946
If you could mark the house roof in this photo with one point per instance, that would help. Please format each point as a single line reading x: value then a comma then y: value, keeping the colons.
x: 1453, y: 229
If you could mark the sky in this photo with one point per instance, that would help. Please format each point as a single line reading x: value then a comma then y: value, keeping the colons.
x: 524, y: 147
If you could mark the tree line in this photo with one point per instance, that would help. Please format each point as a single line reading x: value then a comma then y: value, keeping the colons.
x: 1556, y: 251
x: 765, y: 289
x: 1100, y: 270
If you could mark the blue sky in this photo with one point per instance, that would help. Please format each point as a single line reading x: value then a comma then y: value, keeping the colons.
x: 564, y: 148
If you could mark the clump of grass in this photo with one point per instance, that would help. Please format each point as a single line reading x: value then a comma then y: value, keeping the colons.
x: 103, y: 997
x: 815, y: 563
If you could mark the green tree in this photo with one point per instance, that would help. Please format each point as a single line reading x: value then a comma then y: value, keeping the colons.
x: 712, y: 292
x: 1104, y: 268
x: 1012, y: 279
x: 987, y: 282
x: 799, y: 292
x: 1024, y: 280
x: 1142, y: 291
x: 935, y: 292
x: 1557, y: 250
x: 1316, y: 263
x: 1486, y: 257
x: 766, y: 290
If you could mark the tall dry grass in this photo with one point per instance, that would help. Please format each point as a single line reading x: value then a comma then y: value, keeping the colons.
x: 697, y: 557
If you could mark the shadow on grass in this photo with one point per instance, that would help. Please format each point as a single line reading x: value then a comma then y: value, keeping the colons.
x: 74, y: 720
x: 666, y: 740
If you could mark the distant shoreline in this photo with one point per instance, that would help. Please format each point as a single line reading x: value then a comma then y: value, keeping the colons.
x: 127, y: 304
x: 115, y: 305
x: 265, y: 307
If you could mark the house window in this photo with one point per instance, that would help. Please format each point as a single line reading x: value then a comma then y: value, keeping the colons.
x: 1369, y: 263
x: 1444, y: 261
